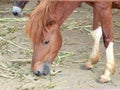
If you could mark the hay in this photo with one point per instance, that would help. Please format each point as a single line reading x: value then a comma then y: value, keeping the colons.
x: 10, y: 42
x: 13, y: 19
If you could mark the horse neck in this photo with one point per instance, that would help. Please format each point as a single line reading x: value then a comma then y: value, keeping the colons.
x: 63, y: 9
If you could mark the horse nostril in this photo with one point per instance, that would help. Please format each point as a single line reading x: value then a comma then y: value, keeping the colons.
x: 15, y: 13
x: 46, y: 67
x: 37, y: 73
x: 46, y: 71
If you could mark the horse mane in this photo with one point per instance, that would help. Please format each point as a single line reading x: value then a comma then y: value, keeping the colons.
x: 39, y: 21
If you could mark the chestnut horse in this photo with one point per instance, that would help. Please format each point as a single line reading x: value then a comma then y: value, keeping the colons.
x: 43, y: 28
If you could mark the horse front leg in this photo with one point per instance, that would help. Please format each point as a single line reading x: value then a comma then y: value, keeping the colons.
x: 105, y: 17
x: 108, y: 43
x: 96, y: 33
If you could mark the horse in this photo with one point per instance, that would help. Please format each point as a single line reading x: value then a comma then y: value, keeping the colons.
x: 43, y: 28
x: 18, y: 5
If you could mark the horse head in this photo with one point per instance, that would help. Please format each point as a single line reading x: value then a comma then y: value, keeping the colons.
x: 45, y: 35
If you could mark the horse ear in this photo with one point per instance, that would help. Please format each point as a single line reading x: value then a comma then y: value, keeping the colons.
x: 26, y: 14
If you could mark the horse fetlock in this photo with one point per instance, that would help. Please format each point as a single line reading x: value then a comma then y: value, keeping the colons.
x: 89, y: 65
x: 95, y: 59
x: 111, y: 67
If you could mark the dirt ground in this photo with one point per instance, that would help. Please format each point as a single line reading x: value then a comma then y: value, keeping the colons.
x: 68, y: 72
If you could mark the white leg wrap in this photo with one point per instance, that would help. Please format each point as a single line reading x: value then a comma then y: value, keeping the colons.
x: 110, y: 59
x: 94, y: 57
x: 110, y: 65
x: 96, y: 35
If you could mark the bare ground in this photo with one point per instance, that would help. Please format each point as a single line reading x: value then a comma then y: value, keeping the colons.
x: 68, y: 72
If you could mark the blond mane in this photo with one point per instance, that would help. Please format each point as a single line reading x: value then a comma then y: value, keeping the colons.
x: 36, y: 27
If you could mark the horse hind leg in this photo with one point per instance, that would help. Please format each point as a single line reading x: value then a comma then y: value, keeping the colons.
x: 105, y: 15
x: 108, y: 43
x: 110, y: 64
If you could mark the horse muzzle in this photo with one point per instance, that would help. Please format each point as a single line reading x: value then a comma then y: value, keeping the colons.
x: 16, y: 11
x: 43, y: 70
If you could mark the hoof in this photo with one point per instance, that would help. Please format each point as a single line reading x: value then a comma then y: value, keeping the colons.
x: 88, y: 65
x: 104, y: 79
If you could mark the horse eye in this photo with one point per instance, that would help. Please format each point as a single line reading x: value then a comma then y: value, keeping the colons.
x: 46, y: 42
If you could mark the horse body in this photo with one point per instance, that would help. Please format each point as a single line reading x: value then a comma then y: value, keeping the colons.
x: 18, y: 5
